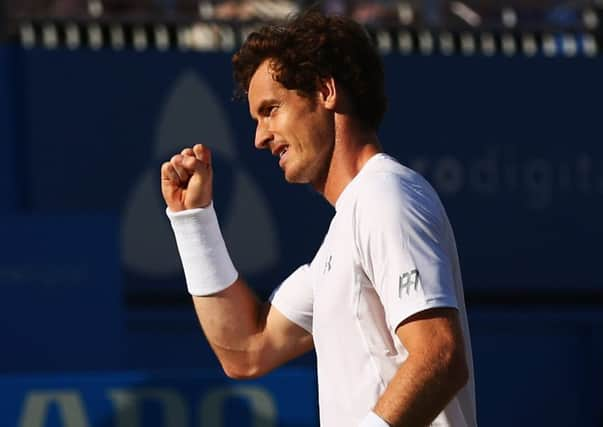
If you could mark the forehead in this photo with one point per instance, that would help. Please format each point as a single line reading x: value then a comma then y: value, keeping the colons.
x: 262, y: 85
x: 262, y: 78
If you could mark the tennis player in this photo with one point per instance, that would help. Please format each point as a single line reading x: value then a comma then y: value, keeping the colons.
x: 382, y: 301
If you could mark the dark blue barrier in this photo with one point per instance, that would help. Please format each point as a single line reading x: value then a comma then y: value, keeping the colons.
x: 157, y: 399
x: 61, y: 305
x: 538, y: 367
x: 509, y: 143
x: 8, y: 157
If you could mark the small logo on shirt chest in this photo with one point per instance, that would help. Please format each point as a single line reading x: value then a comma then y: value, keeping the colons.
x: 327, y: 266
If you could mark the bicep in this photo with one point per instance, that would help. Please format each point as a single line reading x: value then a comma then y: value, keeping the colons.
x: 433, y: 333
x: 249, y: 338
x: 286, y: 333
x: 283, y: 339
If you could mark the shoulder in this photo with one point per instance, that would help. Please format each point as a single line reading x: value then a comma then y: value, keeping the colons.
x: 393, y: 191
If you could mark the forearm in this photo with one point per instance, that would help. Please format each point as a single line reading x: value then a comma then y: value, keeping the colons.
x: 421, y: 389
x: 233, y: 322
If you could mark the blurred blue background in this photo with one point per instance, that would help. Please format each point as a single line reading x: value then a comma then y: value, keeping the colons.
x: 497, y: 105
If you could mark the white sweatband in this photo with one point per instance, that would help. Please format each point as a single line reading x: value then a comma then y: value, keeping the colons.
x: 207, y: 266
x: 373, y: 420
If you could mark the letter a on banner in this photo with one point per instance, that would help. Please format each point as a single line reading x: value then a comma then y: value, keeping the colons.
x: 70, y: 405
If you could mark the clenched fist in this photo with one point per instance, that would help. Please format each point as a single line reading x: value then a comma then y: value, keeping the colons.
x: 186, y: 180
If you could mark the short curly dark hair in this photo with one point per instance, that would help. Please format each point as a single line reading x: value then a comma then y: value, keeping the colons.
x: 310, y: 47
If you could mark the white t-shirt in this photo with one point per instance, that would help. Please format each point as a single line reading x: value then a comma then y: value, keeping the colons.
x: 389, y: 253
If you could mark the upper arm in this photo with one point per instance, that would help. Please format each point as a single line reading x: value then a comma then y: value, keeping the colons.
x: 270, y: 334
x: 434, y: 371
x: 435, y: 336
x: 439, y: 325
x: 283, y: 339
x: 288, y: 327
x: 248, y: 337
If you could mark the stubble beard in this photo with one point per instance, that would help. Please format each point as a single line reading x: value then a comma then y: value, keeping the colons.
x: 319, y: 176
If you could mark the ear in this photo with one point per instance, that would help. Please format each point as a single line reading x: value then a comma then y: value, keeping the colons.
x: 328, y: 93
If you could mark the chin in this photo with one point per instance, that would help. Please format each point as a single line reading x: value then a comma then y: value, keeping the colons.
x: 295, y: 177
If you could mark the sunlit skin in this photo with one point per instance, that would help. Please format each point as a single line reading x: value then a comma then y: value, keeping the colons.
x: 300, y: 127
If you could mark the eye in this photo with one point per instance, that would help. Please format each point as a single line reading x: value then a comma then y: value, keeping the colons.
x: 270, y: 110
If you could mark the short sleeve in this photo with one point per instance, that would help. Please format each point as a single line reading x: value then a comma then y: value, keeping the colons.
x: 405, y: 245
x: 294, y: 297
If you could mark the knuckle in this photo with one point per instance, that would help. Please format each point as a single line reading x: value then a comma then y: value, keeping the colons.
x: 189, y: 162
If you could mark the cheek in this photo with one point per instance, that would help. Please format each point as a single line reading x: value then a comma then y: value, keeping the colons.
x: 306, y: 130
x: 322, y: 132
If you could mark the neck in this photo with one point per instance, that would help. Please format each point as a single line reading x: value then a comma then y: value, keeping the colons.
x: 354, y: 146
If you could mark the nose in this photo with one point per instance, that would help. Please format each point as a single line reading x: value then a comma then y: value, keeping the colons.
x: 263, y: 136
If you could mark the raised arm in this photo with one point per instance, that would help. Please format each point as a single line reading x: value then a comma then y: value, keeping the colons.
x: 249, y: 337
